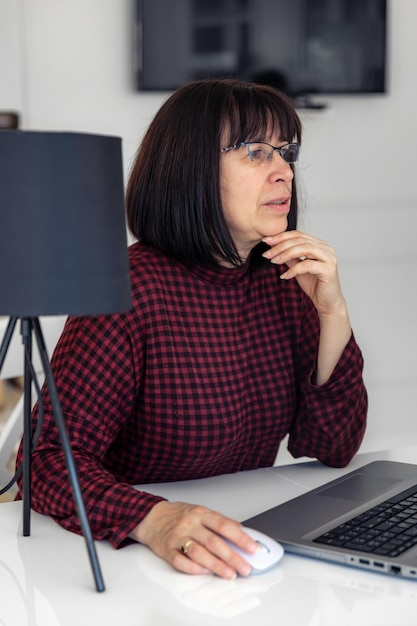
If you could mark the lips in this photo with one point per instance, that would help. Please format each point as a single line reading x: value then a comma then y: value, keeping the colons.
x: 279, y: 202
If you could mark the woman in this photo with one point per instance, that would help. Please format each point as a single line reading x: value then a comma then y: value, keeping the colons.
x: 239, y: 335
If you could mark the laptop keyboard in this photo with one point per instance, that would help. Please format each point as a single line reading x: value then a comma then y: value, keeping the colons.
x: 387, y: 529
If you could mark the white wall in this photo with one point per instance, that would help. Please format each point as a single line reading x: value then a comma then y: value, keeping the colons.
x: 67, y: 65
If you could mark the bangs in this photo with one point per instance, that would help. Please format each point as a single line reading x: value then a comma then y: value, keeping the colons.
x: 257, y: 113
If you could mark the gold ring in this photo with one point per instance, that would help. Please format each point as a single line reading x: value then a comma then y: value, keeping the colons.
x: 184, y: 548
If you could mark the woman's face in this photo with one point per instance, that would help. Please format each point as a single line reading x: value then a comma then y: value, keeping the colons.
x: 256, y: 196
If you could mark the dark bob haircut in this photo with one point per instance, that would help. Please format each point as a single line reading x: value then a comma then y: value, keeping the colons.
x: 173, y: 198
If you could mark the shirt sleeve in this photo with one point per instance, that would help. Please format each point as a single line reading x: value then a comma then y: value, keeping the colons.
x: 93, y: 358
x: 331, y: 418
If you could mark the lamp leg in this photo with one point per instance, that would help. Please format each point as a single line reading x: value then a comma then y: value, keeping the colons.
x: 26, y: 331
x: 60, y: 421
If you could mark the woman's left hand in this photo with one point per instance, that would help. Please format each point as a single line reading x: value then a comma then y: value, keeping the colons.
x: 313, y: 263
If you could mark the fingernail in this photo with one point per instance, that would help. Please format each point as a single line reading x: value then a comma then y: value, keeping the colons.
x: 245, y: 570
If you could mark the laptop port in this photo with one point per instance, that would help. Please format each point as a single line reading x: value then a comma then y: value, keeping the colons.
x: 364, y: 561
x: 395, y: 569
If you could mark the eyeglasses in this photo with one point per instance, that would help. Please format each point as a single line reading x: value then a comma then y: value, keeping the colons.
x: 261, y: 151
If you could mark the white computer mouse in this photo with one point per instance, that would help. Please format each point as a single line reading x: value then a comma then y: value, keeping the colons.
x: 269, y: 552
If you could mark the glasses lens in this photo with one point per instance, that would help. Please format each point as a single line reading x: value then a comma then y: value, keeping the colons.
x: 262, y: 152
x: 259, y: 152
x: 290, y: 152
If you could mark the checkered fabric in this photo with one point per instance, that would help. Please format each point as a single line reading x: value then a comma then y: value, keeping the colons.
x: 205, y: 375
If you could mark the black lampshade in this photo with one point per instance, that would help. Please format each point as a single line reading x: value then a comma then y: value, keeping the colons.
x: 63, y: 241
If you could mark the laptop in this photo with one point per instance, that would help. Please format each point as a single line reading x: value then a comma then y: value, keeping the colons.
x: 366, y: 519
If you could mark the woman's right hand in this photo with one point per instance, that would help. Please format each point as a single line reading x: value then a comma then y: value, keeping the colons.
x: 191, y: 538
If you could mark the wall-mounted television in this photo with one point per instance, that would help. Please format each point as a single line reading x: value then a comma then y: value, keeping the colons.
x: 302, y: 46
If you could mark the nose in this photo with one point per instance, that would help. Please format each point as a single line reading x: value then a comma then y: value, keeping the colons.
x: 280, y: 168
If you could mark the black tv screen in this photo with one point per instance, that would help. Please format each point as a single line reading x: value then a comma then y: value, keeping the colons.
x: 302, y: 46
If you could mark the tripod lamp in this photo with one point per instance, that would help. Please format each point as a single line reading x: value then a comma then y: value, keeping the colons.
x: 63, y: 251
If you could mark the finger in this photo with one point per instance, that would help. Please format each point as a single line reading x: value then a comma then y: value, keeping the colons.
x: 187, y: 565
x: 301, y: 267
x: 214, y: 552
x: 218, y: 557
x: 300, y: 250
x: 223, y: 551
x: 199, y: 560
x: 291, y: 235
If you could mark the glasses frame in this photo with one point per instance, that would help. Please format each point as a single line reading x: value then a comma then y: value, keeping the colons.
x: 278, y: 149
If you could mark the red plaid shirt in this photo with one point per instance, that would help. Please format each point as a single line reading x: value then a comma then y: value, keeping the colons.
x: 205, y: 375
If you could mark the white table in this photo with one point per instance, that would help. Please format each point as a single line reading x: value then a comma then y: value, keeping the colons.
x: 45, y: 579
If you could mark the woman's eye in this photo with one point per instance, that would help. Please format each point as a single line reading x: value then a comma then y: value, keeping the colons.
x: 259, y: 154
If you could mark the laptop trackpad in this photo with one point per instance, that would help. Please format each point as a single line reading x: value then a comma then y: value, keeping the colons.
x: 359, y: 487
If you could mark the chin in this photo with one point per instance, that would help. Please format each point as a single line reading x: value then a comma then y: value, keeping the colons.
x: 279, y: 226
